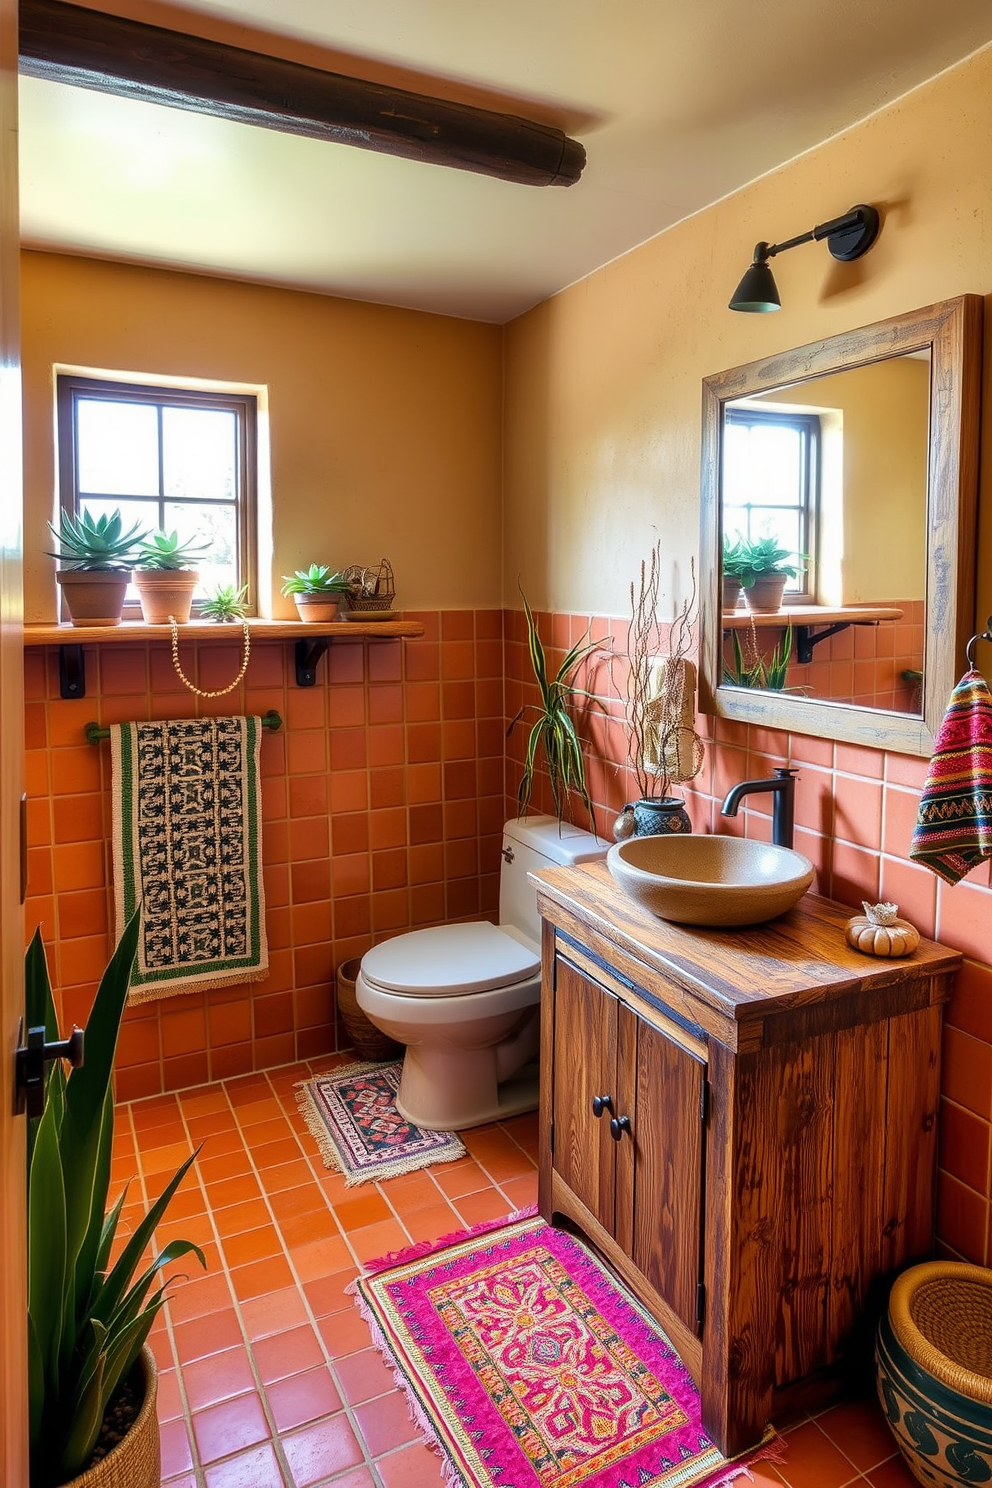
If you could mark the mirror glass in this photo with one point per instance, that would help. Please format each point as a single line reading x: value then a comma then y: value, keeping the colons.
x: 850, y: 467
x: 833, y: 469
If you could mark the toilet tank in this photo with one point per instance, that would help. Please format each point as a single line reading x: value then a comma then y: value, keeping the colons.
x: 530, y: 843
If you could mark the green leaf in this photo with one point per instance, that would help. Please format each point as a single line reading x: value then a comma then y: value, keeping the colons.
x: 47, y: 1245
x: 85, y: 1266
x: 110, y: 1294
x: 36, y: 1383
x: 86, y: 1418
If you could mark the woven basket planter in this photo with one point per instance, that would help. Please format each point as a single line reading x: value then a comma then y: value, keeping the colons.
x: 135, y: 1462
x: 933, y: 1362
x: 368, y: 1040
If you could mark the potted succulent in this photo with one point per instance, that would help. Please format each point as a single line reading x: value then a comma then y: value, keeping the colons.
x: 92, y: 1294
x: 553, y: 730
x: 96, y: 555
x: 317, y: 591
x: 765, y: 569
x: 733, y: 570
x: 227, y: 603
x: 164, y: 577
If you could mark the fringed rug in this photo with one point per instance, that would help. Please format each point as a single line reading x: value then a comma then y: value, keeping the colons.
x: 529, y: 1365
x: 351, y: 1114
x: 187, y: 843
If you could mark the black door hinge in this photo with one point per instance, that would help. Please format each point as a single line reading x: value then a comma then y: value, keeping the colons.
x: 700, y: 1304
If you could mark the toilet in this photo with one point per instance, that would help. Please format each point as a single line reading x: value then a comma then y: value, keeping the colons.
x: 465, y: 999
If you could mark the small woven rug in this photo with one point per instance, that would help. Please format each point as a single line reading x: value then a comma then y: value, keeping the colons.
x: 528, y: 1365
x: 187, y: 845
x: 351, y: 1114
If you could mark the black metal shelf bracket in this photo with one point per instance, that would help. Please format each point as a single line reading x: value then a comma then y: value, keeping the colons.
x: 806, y: 639
x: 308, y: 654
x: 72, y: 672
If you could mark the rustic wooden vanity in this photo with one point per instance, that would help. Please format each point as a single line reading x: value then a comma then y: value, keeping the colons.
x: 744, y: 1122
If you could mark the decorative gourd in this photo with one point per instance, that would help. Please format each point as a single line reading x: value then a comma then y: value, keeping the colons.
x: 880, y: 932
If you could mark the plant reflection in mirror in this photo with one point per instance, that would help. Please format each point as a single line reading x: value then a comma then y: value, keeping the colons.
x: 755, y: 670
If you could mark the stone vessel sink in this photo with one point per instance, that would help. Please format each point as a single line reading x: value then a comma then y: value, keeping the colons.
x: 714, y: 881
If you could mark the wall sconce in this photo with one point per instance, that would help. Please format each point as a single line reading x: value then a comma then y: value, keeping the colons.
x: 848, y: 237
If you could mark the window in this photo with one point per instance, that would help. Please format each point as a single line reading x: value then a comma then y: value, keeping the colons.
x: 175, y: 458
x: 771, y: 478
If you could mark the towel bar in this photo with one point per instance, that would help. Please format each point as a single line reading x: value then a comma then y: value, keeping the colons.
x: 94, y: 732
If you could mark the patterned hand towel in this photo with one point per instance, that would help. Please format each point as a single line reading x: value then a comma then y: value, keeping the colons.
x: 187, y: 847
x: 954, y: 827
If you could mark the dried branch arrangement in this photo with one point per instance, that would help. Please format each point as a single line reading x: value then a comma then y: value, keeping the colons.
x: 664, y: 748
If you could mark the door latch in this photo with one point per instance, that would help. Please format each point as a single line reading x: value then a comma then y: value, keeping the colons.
x: 31, y: 1060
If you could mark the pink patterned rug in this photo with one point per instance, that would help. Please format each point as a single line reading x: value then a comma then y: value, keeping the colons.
x: 529, y: 1365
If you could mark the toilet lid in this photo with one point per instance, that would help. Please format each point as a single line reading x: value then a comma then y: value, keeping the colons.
x: 449, y: 960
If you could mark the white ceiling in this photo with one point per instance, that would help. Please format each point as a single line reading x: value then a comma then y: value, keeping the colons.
x: 678, y: 102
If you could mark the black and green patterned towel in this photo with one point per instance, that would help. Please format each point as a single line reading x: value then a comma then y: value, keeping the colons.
x: 187, y: 837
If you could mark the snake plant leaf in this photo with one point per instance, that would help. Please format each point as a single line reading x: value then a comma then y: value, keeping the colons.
x: 85, y: 1270
x: 109, y: 1231
x: 47, y: 1263
x: 116, y: 1284
x: 87, y: 1415
x: 36, y: 1381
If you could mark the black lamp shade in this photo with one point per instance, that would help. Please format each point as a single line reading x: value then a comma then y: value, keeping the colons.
x: 757, y: 291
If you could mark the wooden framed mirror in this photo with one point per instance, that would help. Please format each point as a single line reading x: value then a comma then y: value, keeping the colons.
x: 858, y: 456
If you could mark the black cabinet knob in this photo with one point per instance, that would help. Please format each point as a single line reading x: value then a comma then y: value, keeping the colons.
x: 619, y: 1125
x: 601, y: 1103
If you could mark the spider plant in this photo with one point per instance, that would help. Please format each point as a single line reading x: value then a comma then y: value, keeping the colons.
x: 553, y: 729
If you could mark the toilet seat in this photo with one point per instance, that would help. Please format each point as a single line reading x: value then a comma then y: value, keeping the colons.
x: 450, y: 961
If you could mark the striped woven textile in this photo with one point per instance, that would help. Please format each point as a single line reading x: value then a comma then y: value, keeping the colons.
x: 954, y: 827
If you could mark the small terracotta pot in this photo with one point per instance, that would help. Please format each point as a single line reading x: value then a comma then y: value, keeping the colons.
x: 765, y: 594
x: 317, y: 609
x: 94, y: 596
x: 731, y: 592
x: 165, y: 592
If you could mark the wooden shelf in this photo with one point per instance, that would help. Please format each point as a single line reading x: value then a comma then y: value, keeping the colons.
x: 310, y: 641
x: 209, y: 630
x: 811, y: 615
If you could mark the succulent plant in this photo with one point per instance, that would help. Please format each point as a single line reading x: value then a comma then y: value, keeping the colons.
x: 164, y: 550
x: 226, y: 603
x: 317, y: 579
x: 86, y: 541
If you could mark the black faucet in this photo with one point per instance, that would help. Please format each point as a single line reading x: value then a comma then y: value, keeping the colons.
x: 783, y: 786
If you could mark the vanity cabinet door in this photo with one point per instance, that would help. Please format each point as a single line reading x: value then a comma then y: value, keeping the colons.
x: 585, y: 1069
x: 660, y: 1167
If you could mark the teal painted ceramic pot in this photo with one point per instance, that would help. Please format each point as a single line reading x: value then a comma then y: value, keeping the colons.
x: 933, y: 1366
x: 655, y: 818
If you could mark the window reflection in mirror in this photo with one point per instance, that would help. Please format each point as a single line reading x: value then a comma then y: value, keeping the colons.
x: 835, y: 471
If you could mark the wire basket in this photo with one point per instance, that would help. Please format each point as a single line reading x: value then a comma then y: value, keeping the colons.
x: 371, y: 588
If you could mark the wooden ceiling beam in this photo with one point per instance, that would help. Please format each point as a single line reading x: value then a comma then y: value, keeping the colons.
x: 89, y: 49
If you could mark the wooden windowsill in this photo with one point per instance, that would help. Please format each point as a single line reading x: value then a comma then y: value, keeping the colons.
x: 209, y: 630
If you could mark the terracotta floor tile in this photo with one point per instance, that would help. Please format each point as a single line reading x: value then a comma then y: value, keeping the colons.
x: 812, y: 1461
x: 361, y: 1210
x: 177, y: 1455
x: 275, y: 1129
x: 302, y: 1198
x: 320, y: 1450
x: 203, y: 1336
x: 858, y: 1428
x: 412, y: 1191
x: 344, y: 1333
x: 456, y: 1179
x: 255, y: 1469
x: 169, y: 1402
x: 302, y: 1398
x: 378, y: 1240
x: 219, y: 1377
x: 261, y: 1278
x: 362, y: 1376
x: 891, y: 1474
x: 476, y: 1208
x: 520, y: 1192
x: 233, y: 1164
x: 198, y: 1296
x: 291, y: 1352
x: 185, y: 1480
x: 415, y: 1466
x: 224, y: 1192
x: 304, y: 1229
x: 237, y: 1218
x: 274, y: 1313
x: 287, y: 1175
x: 273, y: 1154
x: 252, y: 1245
x: 223, y: 1429
x: 321, y: 1258
x: 386, y: 1423
x: 328, y: 1294
x: 430, y: 1223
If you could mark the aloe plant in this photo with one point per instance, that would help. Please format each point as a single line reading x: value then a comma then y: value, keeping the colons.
x: 165, y: 550
x: 227, y: 602
x: 86, y: 541
x: 553, y: 729
x: 764, y: 671
x: 317, y: 579
x: 88, y: 1317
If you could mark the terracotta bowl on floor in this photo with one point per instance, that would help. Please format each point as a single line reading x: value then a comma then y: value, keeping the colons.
x: 933, y: 1362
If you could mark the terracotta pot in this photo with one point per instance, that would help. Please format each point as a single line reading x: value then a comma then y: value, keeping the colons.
x: 317, y: 609
x: 731, y: 592
x: 136, y: 1461
x: 165, y: 592
x: 765, y: 594
x: 94, y: 596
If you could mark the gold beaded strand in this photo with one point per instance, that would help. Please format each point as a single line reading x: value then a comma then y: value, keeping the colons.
x: 221, y: 691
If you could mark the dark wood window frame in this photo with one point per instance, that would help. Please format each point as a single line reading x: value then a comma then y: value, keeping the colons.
x: 71, y: 387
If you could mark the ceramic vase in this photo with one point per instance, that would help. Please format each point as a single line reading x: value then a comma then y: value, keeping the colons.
x: 661, y: 817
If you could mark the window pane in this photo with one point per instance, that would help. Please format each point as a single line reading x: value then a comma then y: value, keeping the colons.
x: 217, y: 527
x: 117, y: 447
x: 199, y: 452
